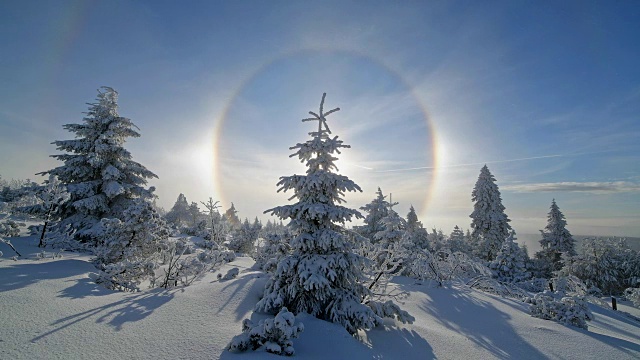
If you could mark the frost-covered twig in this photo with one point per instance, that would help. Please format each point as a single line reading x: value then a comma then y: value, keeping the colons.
x: 8, y: 242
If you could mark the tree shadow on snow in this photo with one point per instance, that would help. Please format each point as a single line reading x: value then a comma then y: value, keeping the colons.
x: 629, y: 347
x: 255, y: 281
x: 132, y: 308
x: 24, y: 274
x: 480, y: 322
x: 392, y: 342
x: 83, y: 288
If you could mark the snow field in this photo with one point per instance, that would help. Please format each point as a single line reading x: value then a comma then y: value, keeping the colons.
x: 50, y: 309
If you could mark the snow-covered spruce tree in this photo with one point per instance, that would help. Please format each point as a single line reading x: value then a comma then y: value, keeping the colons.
x: 322, y: 276
x: 273, y: 247
x: 605, y: 265
x: 376, y: 210
x: 130, y: 248
x: 53, y: 194
x: 232, y: 217
x: 489, y: 224
x: 556, y: 240
x: 179, y: 213
x: 458, y: 241
x: 510, y: 262
x: 415, y: 230
x: 100, y: 175
x: 392, y: 247
x: 244, y: 238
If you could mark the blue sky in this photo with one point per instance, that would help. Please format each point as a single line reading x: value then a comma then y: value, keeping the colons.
x: 546, y: 93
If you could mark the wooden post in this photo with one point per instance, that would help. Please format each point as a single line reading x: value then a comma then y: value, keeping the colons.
x: 614, y: 303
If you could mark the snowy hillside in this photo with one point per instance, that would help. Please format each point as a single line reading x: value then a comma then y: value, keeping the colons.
x: 52, y: 310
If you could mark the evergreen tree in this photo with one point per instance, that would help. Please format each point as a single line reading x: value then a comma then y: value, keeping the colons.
x: 458, y: 241
x: 179, y: 213
x: 51, y: 195
x: 232, y: 217
x: 510, y: 263
x: 556, y: 240
x: 489, y: 224
x: 130, y: 250
x: 416, y: 233
x: 322, y: 275
x: 194, y: 213
x: 376, y: 210
x: 101, y: 178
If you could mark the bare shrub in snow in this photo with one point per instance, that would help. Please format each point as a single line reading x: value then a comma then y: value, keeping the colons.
x: 274, y: 335
x: 9, y: 244
x: 179, y: 269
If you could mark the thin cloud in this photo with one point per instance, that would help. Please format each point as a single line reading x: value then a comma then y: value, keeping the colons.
x: 588, y: 187
x: 472, y: 164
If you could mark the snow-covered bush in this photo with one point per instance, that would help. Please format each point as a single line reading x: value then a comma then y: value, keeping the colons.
x: 275, y: 335
x: 444, y: 266
x: 130, y: 248
x: 230, y: 275
x: 243, y: 238
x: 569, y: 310
x: 633, y: 295
x: 10, y: 228
x: 534, y: 285
x: 607, y: 264
x: 125, y: 275
x: 271, y: 250
x: 492, y: 286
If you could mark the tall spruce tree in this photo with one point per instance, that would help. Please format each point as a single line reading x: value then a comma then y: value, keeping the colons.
x: 489, y: 224
x: 322, y: 276
x: 99, y: 173
x: 556, y: 240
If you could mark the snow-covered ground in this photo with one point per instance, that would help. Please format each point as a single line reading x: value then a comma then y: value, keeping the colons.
x: 50, y: 309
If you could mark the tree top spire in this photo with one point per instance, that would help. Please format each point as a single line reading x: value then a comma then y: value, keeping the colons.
x: 321, y: 117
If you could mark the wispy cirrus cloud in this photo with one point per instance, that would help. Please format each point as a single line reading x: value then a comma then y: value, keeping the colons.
x: 587, y: 187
